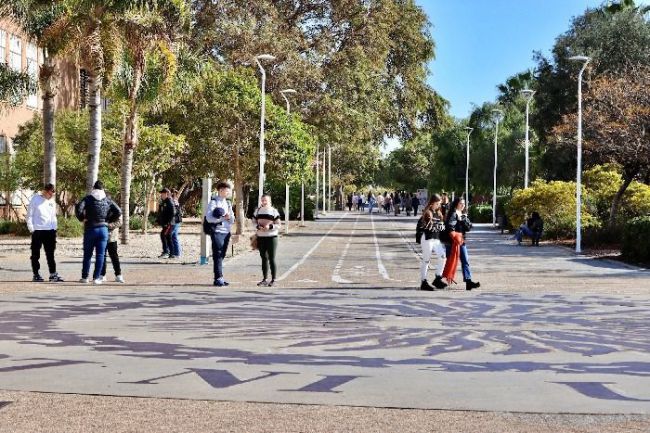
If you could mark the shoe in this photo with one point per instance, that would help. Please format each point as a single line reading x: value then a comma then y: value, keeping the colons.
x: 469, y: 285
x: 174, y: 257
x: 218, y: 283
x: 55, y: 278
x: 438, y: 283
x: 98, y: 281
x: 84, y: 281
x: 271, y: 283
x: 37, y: 278
x: 119, y: 279
x: 226, y: 283
x: 104, y: 278
x: 163, y: 255
x: 263, y: 283
x: 426, y: 286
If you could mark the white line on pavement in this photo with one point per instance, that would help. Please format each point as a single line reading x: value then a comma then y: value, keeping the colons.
x: 382, y: 270
x: 335, y: 275
x: 309, y: 253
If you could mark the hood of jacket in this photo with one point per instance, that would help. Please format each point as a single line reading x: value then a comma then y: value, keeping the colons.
x: 98, y: 194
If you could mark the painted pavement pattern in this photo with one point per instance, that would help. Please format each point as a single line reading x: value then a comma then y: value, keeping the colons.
x: 344, y: 344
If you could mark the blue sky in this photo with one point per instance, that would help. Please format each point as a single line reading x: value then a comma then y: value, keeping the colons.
x: 479, y: 43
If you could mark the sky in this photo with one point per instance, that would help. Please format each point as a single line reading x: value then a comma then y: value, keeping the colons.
x: 480, y: 43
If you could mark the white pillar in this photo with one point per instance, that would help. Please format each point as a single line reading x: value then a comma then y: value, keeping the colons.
x: 302, y: 205
x: 317, y: 181
x: 205, y: 241
x: 329, y: 175
x: 286, y: 209
x: 324, y: 179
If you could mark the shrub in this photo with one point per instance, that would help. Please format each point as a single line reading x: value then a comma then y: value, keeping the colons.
x: 480, y: 213
x: 636, y: 240
x: 70, y: 227
x: 13, y: 227
x: 556, y: 203
x: 135, y: 222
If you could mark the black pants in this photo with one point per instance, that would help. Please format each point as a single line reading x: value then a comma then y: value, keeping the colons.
x: 46, y: 239
x: 268, y: 247
x: 220, y: 243
x: 166, y: 239
x: 111, y: 249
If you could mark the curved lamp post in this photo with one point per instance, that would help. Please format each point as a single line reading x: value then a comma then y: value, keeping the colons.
x: 469, y: 132
x: 259, y: 59
x: 498, y: 116
x: 284, y: 94
x: 528, y: 95
x: 585, y: 61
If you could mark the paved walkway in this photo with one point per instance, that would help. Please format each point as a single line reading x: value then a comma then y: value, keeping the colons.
x: 546, y: 333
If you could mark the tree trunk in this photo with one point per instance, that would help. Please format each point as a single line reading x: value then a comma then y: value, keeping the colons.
x: 95, y: 125
x: 130, y: 143
x: 613, y: 211
x: 239, y: 195
x: 148, y: 195
x: 47, y: 79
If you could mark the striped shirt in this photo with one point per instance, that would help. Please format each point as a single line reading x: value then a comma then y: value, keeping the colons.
x: 266, y: 216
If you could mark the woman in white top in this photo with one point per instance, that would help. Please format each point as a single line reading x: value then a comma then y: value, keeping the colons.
x: 267, y: 223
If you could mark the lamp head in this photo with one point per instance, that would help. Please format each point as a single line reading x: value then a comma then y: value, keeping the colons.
x: 289, y: 92
x: 583, y: 59
x: 527, y: 93
x: 268, y: 57
x: 468, y: 129
x: 498, y: 114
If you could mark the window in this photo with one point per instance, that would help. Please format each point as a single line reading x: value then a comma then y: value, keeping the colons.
x: 16, y: 53
x: 32, y: 70
x: 3, y: 46
x: 3, y: 144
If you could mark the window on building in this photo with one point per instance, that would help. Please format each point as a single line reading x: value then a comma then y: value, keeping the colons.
x: 32, y: 70
x: 3, y: 144
x: 3, y: 46
x: 16, y: 53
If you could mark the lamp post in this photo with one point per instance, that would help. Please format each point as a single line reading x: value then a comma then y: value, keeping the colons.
x: 324, y: 179
x: 585, y: 61
x: 329, y: 176
x: 284, y: 94
x: 258, y: 60
x: 528, y: 95
x: 317, y: 179
x: 498, y: 115
x: 469, y: 132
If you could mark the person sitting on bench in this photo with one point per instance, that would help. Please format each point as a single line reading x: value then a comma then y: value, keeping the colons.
x: 533, y: 228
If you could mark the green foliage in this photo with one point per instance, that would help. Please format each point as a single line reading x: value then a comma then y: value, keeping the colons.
x: 14, y: 86
x: 556, y: 203
x: 603, y: 181
x: 481, y: 213
x: 16, y: 228
x: 69, y: 227
x: 636, y: 240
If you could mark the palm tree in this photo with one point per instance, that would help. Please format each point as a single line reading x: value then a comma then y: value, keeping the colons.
x: 44, y: 22
x: 148, y: 30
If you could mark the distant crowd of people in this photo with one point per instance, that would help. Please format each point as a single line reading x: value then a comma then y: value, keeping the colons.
x: 394, y: 202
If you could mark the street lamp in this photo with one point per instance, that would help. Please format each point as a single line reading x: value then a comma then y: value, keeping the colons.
x: 469, y: 132
x: 284, y: 94
x: 585, y: 61
x: 316, y: 213
x: 329, y: 176
x: 498, y: 115
x: 258, y: 60
x: 528, y: 95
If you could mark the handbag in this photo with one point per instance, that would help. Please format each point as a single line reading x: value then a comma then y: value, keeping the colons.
x: 254, y: 245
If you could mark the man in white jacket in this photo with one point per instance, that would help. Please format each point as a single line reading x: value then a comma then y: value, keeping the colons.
x: 41, y: 222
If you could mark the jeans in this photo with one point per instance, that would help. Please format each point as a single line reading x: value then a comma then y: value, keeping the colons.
x: 175, y: 249
x: 267, y: 247
x: 96, y: 239
x: 464, y: 260
x: 46, y: 239
x: 524, y: 230
x: 429, y: 246
x: 111, y: 249
x: 220, y: 243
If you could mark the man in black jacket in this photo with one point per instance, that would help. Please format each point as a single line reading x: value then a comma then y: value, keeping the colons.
x: 166, y: 215
x: 96, y: 211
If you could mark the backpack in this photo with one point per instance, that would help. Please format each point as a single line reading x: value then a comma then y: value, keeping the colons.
x: 208, y: 227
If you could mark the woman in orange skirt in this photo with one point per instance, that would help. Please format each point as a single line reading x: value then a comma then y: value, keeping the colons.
x: 457, y: 224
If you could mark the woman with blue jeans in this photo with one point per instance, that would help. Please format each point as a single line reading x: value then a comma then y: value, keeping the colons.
x: 96, y: 211
x: 175, y: 247
x: 457, y: 224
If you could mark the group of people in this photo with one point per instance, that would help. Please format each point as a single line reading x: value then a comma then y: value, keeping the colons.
x: 101, y: 219
x: 442, y: 232
x: 395, y: 202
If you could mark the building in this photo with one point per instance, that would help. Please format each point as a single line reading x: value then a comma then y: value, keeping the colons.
x: 22, y: 54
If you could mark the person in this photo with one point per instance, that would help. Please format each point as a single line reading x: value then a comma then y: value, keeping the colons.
x: 96, y: 211
x: 533, y: 228
x: 42, y: 224
x: 267, y: 223
x: 388, y: 202
x: 165, y: 221
x: 415, y: 203
x: 457, y: 224
x: 111, y: 250
x: 408, y: 204
x: 221, y: 217
x: 360, y: 206
x: 428, y: 230
x: 397, y: 203
x: 349, y: 203
x: 175, y: 246
x: 444, y: 204
x: 380, y: 202
x: 355, y: 201
x: 371, y: 202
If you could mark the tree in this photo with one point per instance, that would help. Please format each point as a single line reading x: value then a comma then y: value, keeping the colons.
x: 14, y: 86
x: 616, y: 119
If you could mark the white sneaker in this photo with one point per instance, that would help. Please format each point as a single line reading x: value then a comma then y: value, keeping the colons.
x: 98, y: 281
x: 84, y: 281
x: 119, y: 279
x: 104, y: 278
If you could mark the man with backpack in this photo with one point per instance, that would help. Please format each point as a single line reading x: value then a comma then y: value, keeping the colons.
x: 218, y: 220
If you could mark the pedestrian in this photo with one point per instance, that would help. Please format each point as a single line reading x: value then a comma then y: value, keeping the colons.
x: 165, y: 221
x: 427, y: 234
x: 220, y: 216
x: 380, y: 202
x: 42, y: 224
x: 371, y: 202
x: 408, y: 204
x: 360, y: 206
x: 397, y: 203
x: 457, y: 224
x: 267, y: 223
x: 96, y: 211
x: 176, y: 250
x: 349, y: 203
x: 388, y: 202
x: 111, y: 250
x: 355, y: 201
x: 444, y: 206
x: 415, y: 203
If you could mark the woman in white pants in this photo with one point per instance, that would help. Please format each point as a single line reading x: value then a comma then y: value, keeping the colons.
x: 429, y: 228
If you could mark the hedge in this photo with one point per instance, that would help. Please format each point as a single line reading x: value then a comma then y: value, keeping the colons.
x: 636, y: 240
